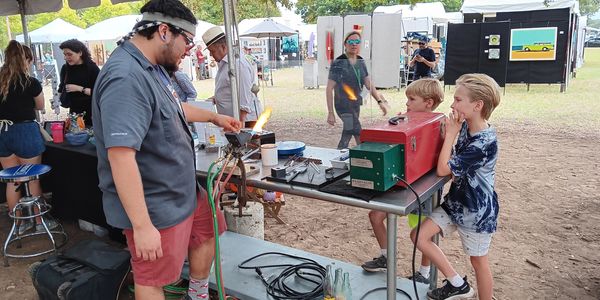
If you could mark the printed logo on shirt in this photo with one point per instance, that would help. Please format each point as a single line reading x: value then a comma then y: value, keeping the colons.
x: 118, y: 134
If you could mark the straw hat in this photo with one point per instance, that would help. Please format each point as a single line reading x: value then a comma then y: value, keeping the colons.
x: 213, y: 35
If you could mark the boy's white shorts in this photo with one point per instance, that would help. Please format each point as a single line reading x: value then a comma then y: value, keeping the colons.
x: 474, y: 244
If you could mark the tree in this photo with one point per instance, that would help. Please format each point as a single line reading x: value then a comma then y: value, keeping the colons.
x: 309, y: 10
x: 107, y: 10
x: 589, y: 7
x: 212, y: 10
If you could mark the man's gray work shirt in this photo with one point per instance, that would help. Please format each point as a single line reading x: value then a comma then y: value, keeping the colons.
x: 133, y: 108
x: 223, y: 97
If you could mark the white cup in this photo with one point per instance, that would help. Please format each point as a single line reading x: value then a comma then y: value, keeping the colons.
x: 268, y: 153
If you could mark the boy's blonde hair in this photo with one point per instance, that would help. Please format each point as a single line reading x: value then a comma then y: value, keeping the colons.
x: 482, y: 87
x: 427, y: 88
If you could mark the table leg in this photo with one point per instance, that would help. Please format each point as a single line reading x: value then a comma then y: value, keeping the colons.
x: 433, y: 274
x: 391, y: 255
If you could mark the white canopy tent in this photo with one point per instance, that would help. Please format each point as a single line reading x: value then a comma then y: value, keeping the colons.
x: 434, y: 10
x: 111, y: 29
x: 496, y: 6
x: 56, y: 31
x: 420, y: 17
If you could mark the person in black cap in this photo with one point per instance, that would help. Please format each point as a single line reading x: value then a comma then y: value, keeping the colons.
x: 146, y: 156
x: 423, y: 60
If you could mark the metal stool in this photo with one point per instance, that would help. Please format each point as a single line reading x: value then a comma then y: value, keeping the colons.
x: 21, y: 175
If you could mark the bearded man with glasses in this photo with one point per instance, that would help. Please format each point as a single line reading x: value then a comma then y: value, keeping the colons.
x: 146, y: 161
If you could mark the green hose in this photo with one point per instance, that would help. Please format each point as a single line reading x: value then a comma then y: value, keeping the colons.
x: 211, y: 201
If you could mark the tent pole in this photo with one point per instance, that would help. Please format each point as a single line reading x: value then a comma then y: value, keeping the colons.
x: 8, y: 28
x: 24, y: 22
x: 228, y: 12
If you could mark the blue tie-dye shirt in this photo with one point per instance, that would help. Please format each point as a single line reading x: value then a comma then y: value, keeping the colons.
x: 472, y: 202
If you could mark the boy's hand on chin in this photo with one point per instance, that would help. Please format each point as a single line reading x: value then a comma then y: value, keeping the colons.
x: 454, y: 123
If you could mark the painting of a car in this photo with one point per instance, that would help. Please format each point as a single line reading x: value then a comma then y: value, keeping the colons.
x: 538, y: 47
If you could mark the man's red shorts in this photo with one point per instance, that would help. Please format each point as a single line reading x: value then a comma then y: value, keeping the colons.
x: 175, y: 242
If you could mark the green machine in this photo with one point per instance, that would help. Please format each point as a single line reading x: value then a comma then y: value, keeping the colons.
x: 375, y: 166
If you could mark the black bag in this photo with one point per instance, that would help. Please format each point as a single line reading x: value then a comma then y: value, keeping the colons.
x: 64, y: 100
x: 90, y: 270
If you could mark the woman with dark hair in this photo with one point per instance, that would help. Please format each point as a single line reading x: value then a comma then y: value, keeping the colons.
x: 347, y: 76
x: 20, y: 139
x: 77, y: 78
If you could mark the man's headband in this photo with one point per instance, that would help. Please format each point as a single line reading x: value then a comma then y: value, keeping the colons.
x: 159, y: 17
x: 156, y: 19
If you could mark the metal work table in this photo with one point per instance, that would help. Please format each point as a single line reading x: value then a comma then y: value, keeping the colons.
x: 394, y: 202
x: 245, y: 284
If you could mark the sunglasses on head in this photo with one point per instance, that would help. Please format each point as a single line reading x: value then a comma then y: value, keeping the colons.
x: 353, y: 42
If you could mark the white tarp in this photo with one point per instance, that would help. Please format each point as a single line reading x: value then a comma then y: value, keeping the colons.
x: 246, y: 24
x: 56, y: 31
x: 455, y: 17
x: 306, y: 30
x: 580, y: 40
x: 496, y: 6
x: 111, y: 29
x: 420, y: 10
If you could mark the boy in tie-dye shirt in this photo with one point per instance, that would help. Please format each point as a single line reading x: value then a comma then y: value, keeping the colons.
x: 471, y: 205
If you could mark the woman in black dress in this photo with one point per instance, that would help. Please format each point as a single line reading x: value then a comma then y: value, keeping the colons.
x: 77, y: 78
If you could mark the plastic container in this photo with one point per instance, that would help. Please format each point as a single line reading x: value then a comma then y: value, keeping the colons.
x: 57, y: 130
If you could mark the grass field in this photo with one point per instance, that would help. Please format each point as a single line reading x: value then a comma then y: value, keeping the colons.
x: 577, y: 109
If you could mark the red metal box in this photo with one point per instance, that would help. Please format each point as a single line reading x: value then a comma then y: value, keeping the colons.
x: 421, y: 135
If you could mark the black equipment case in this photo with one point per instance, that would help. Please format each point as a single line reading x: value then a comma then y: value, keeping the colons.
x: 90, y: 270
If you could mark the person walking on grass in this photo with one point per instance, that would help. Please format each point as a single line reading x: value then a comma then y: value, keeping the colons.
x: 347, y: 77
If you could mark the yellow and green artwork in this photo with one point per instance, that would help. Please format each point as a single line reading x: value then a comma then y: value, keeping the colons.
x: 530, y: 44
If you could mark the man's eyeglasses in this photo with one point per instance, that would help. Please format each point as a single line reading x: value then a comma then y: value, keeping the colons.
x: 422, y: 43
x: 353, y: 42
x: 188, y: 40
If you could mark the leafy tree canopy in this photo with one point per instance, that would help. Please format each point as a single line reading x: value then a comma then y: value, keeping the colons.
x: 309, y: 10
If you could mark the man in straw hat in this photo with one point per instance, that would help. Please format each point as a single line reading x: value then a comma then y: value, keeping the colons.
x: 215, y: 41
x: 146, y: 156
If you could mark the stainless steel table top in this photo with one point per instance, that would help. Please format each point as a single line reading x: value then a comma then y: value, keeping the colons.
x: 398, y: 201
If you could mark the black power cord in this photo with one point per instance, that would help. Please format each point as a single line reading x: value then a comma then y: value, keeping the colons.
x: 384, y: 288
x: 309, y: 271
x: 414, y: 253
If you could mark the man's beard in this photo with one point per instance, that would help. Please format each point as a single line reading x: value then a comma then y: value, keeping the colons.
x: 170, y: 63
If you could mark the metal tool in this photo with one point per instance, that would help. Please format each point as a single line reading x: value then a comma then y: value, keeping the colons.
x: 314, y: 166
x: 297, y: 171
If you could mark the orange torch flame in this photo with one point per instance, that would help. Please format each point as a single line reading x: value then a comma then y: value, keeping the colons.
x: 349, y: 92
x: 262, y: 119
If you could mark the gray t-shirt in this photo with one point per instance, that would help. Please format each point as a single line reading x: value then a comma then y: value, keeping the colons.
x: 134, y: 108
